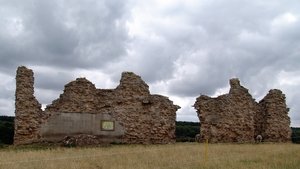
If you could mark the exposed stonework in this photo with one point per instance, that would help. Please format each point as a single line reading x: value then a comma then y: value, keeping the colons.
x: 81, y: 140
x: 28, y: 110
x: 275, y: 126
x: 236, y: 117
x: 138, y: 116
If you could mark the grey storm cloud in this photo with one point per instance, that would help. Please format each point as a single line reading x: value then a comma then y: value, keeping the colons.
x: 238, y: 40
x: 62, y: 33
x: 186, y: 48
x: 51, y: 80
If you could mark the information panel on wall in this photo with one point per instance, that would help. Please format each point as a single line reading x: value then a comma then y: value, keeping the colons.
x: 107, y: 125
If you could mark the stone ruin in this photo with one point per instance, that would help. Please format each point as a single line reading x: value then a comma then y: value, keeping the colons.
x: 85, y: 115
x: 237, y: 117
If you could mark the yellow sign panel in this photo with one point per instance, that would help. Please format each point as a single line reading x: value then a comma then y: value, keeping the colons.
x: 107, y: 125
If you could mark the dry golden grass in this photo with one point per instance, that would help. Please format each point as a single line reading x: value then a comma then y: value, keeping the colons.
x: 173, y: 156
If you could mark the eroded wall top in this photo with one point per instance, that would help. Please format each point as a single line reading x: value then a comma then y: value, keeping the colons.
x: 27, y: 109
x: 139, y: 116
x: 237, y: 117
x: 229, y: 117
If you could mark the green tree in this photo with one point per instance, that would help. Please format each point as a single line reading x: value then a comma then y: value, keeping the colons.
x: 295, y: 135
x: 6, y: 130
x: 186, y: 131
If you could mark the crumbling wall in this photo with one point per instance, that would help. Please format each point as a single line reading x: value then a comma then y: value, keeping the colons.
x: 147, y: 118
x: 276, y: 120
x: 138, y: 116
x: 28, y: 110
x: 236, y: 117
x: 227, y: 118
x: 78, y: 96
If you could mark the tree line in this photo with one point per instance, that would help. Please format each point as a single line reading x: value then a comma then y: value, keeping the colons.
x: 6, y: 129
x: 185, y: 131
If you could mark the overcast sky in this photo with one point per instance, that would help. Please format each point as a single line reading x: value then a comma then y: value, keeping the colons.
x: 181, y: 48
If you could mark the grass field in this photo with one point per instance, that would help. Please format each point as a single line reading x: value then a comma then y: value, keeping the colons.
x: 175, y: 156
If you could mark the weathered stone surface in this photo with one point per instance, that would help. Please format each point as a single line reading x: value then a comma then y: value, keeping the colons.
x: 140, y: 116
x: 275, y: 127
x: 79, y: 96
x: 28, y: 110
x: 236, y: 117
x: 81, y: 140
x: 227, y: 118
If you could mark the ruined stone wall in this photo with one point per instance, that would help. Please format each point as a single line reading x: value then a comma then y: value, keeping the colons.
x: 236, y: 117
x: 78, y: 96
x: 276, y: 120
x: 139, y: 117
x: 148, y: 118
x: 227, y: 118
x: 28, y: 110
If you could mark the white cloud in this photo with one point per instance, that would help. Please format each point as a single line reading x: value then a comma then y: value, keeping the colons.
x: 284, y: 19
x: 7, y: 107
x: 15, y: 26
x: 289, y: 83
